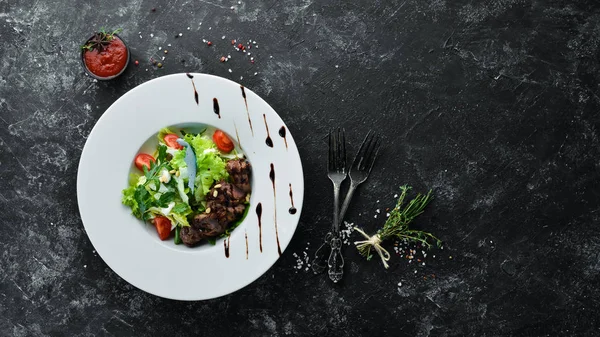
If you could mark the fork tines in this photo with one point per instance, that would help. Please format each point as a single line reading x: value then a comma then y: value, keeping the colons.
x: 337, y: 150
x: 368, y: 152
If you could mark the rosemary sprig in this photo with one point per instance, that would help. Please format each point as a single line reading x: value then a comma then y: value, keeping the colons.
x: 100, y: 40
x: 397, y: 226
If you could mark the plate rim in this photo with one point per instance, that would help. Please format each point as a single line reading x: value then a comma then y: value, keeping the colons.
x: 102, y: 120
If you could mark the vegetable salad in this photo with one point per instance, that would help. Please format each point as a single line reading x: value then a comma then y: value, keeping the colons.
x: 171, y: 185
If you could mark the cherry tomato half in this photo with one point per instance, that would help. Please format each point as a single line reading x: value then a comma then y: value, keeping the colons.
x: 223, y: 142
x: 142, y: 160
x: 163, y: 227
x: 171, y: 141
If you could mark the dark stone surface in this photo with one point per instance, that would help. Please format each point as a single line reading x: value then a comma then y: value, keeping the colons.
x: 493, y: 104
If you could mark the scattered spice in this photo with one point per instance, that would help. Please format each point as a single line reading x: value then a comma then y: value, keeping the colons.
x: 137, y: 63
x: 166, y: 51
x: 209, y: 43
x: 153, y: 9
x: 159, y: 65
x: 223, y: 59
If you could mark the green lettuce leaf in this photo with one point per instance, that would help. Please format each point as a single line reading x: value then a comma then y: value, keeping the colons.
x: 178, y: 160
x: 180, y: 213
x: 128, y: 199
x: 210, y: 166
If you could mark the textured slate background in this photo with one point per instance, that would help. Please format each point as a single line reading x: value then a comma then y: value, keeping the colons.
x: 493, y: 104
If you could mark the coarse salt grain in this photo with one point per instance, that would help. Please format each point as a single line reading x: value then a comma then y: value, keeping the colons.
x: 255, y: 74
x: 223, y: 37
x: 375, y: 216
x: 159, y: 48
x: 188, y: 28
x: 180, y: 34
x: 378, y: 211
x: 151, y: 35
x: 169, y: 45
x: 395, y: 195
x: 230, y: 70
x: 399, y: 284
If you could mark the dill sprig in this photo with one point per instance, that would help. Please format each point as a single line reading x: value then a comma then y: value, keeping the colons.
x: 397, y: 226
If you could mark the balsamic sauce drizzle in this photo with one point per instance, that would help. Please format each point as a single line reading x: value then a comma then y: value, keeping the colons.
x: 283, y: 135
x: 292, y: 209
x: 246, y: 235
x: 247, y: 112
x: 216, y: 108
x: 268, y: 141
x: 193, y: 85
x: 272, y: 177
x: 226, y: 244
x: 259, y: 215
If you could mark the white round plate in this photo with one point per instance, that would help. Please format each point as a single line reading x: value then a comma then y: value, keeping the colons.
x: 131, y: 247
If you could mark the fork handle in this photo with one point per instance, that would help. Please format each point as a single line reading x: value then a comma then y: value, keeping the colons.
x: 336, y: 208
x: 347, y: 199
x: 336, y: 260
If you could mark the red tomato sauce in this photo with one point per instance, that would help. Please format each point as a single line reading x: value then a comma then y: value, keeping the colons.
x: 110, y: 61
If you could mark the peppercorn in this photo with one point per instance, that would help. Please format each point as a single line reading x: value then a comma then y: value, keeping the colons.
x: 159, y: 65
x: 137, y: 62
x: 223, y: 59
x: 209, y: 43
x: 166, y: 51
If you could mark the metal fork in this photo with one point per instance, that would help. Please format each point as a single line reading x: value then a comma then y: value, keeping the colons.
x: 361, y: 166
x: 359, y: 171
x: 336, y: 171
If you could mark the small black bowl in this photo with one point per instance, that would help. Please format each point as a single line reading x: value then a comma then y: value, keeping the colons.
x: 100, y: 78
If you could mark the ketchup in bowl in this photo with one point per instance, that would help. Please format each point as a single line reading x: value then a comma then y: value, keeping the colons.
x: 105, y: 55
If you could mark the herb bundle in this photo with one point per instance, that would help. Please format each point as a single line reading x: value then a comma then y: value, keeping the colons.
x: 396, y: 227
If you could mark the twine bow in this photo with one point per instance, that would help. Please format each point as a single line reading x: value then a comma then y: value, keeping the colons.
x: 375, y: 242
